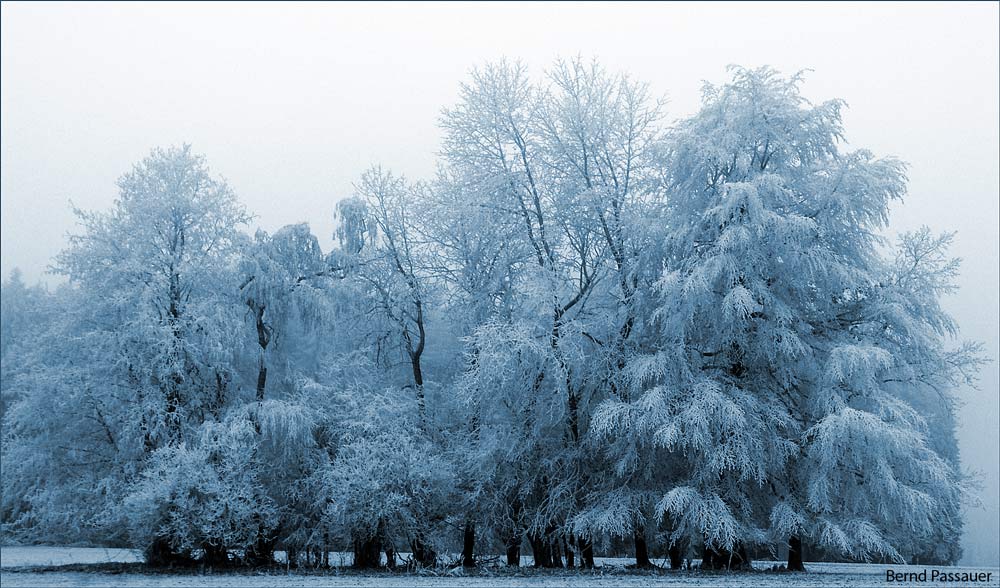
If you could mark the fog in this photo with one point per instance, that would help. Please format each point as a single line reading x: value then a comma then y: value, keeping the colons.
x: 291, y: 102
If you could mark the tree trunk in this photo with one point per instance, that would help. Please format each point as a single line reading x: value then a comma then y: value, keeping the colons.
x: 220, y: 393
x: 540, y: 551
x: 676, y: 556
x: 513, y: 540
x: 586, y: 553
x: 172, y: 418
x: 415, y: 355
x: 418, y: 384
x: 263, y: 339
x: 173, y: 393
x: 570, y: 556
x: 546, y: 549
x: 469, y: 545
x: 161, y: 554
x: 721, y: 559
x: 423, y: 554
x: 641, y: 549
x: 514, y: 550
x: 555, y: 551
x: 261, y: 379
x: 795, y: 554
x: 367, y: 553
x: 261, y: 552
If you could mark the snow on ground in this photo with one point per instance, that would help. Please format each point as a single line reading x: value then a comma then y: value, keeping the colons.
x: 820, y: 575
x: 39, y: 555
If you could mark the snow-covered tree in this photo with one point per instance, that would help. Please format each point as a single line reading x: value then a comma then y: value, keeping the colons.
x: 893, y: 486
x: 57, y: 487
x: 159, y: 259
x: 22, y: 317
x: 602, y: 133
x: 476, y: 264
x: 773, y: 379
x: 389, y: 489
x: 392, y: 267
x: 153, y: 275
x: 279, y: 272
x: 559, y: 167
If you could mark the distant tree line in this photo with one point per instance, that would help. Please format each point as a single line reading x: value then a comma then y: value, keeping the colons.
x: 589, y: 329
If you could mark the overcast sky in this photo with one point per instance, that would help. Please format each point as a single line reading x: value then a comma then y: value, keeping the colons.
x: 290, y: 103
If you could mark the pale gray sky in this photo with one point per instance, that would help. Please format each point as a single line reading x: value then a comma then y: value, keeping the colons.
x: 292, y: 102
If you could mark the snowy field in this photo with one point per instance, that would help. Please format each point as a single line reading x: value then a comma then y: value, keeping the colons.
x: 15, y: 560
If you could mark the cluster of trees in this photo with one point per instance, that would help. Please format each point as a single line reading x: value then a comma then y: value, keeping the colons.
x: 590, y: 329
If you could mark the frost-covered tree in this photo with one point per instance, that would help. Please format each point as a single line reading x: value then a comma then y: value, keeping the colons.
x: 492, y: 143
x: 57, y: 487
x: 23, y: 315
x: 153, y: 275
x: 278, y: 287
x: 159, y: 259
x: 476, y: 264
x: 201, y: 497
x: 772, y: 393
x: 16, y: 304
x: 384, y: 259
x: 895, y: 486
x: 601, y: 135
x: 559, y: 167
x: 392, y: 266
x: 389, y: 489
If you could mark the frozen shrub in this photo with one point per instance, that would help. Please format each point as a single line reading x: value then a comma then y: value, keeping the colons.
x: 203, y: 499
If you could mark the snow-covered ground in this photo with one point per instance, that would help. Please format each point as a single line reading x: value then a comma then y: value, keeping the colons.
x: 13, y: 574
x: 59, y: 556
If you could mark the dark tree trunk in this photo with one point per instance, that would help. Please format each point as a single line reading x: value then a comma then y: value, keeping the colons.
x: 514, y: 550
x: 540, y: 551
x: 292, y: 557
x: 367, y: 553
x: 586, y: 553
x: 161, y: 554
x: 418, y: 379
x: 795, y: 555
x: 261, y: 379
x: 574, y: 411
x: 263, y: 339
x: 387, y: 546
x: 641, y: 549
x: 555, y: 551
x: 469, y: 545
x: 546, y: 549
x: 721, y: 559
x: 221, y: 383
x: 423, y: 553
x: 676, y: 556
x: 513, y: 540
x: 261, y: 552
x: 570, y: 556
x: 415, y: 354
